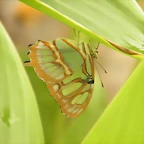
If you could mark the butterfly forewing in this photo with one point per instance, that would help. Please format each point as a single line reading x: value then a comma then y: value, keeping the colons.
x: 67, y: 70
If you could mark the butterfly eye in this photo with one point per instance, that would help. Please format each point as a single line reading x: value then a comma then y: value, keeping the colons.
x: 96, y: 51
x: 30, y: 45
x: 26, y: 61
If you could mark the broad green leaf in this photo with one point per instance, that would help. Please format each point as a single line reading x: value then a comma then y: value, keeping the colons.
x: 123, y: 120
x: 118, y: 21
x: 19, y: 116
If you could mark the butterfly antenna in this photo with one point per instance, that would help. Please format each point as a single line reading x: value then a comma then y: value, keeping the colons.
x: 96, y: 58
x: 99, y: 76
x: 101, y: 66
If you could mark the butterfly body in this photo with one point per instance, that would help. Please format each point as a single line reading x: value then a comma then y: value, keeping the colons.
x: 68, y: 70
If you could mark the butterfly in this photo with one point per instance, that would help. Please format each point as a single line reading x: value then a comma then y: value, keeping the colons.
x: 68, y: 70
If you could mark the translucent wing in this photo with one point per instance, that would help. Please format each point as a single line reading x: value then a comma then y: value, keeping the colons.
x: 67, y: 70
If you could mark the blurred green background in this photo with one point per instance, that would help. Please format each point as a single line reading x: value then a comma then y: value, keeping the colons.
x: 25, y: 26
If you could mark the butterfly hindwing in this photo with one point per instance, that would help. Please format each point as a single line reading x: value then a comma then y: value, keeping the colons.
x: 67, y: 70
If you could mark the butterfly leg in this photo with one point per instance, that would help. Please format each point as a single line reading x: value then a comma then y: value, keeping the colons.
x: 78, y: 36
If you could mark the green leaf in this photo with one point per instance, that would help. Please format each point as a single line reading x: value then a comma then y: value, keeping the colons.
x: 118, y: 21
x: 123, y: 120
x: 19, y: 116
